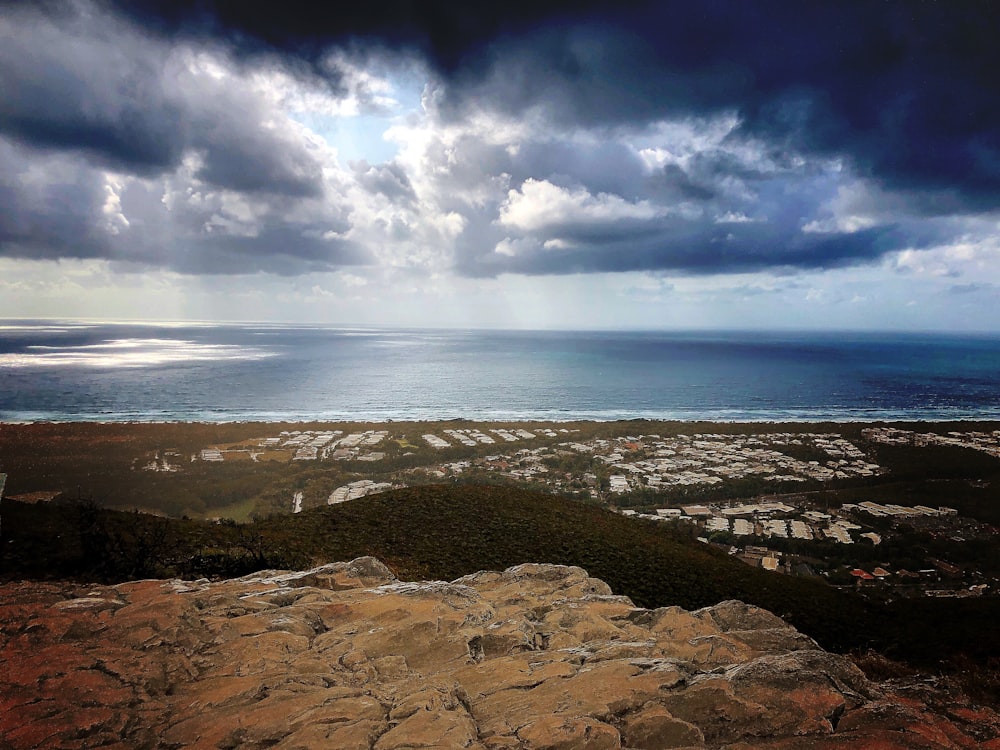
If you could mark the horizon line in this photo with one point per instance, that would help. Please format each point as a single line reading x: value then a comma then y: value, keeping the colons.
x: 326, y: 325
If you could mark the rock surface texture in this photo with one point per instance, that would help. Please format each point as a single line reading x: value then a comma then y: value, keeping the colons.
x: 345, y: 656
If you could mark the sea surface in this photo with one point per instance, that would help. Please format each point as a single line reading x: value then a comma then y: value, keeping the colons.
x: 186, y: 372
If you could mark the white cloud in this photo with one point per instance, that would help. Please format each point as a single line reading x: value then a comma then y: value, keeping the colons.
x: 975, y: 258
x: 856, y: 205
x: 556, y: 244
x: 112, y: 208
x: 679, y: 141
x: 540, y: 206
x: 514, y: 247
x: 734, y: 217
x: 848, y: 224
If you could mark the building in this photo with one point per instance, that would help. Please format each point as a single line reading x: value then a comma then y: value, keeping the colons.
x: 669, y: 512
x: 717, y: 524
x: 618, y: 483
x: 947, y: 568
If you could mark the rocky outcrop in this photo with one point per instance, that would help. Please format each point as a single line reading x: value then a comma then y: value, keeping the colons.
x: 345, y: 656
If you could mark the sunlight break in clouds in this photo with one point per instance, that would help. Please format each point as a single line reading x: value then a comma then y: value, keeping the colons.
x: 347, y: 167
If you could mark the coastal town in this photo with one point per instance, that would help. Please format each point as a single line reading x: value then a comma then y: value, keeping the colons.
x: 633, y: 462
x: 782, y: 519
x: 986, y: 442
x: 888, y: 510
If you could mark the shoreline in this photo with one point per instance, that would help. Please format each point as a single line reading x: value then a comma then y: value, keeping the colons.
x: 361, y: 419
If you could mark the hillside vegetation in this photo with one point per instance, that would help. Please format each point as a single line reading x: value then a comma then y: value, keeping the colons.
x: 443, y: 532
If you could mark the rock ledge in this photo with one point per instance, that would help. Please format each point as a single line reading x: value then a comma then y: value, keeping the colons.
x: 345, y: 656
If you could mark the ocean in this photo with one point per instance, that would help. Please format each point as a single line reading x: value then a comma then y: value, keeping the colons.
x: 189, y: 372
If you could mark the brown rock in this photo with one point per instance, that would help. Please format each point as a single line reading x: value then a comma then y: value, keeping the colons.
x: 569, y: 733
x: 355, y: 735
x: 441, y: 728
x: 735, y: 615
x: 346, y: 656
x: 655, y: 727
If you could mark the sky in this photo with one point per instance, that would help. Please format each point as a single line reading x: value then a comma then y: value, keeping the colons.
x: 544, y: 164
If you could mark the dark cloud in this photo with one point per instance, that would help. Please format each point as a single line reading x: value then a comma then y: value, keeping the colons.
x: 696, y: 249
x: 83, y: 93
x: 908, y: 91
x: 671, y: 182
x: 446, y: 32
x: 220, y: 188
x: 245, y: 157
x: 904, y: 94
x: 87, y: 84
x: 281, y: 249
x: 58, y: 206
x: 55, y: 216
x: 607, y: 167
x: 169, y: 227
x: 576, y: 207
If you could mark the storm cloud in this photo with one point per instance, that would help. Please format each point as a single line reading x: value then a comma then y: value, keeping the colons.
x: 907, y: 90
x: 543, y: 138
